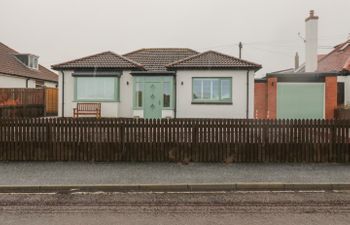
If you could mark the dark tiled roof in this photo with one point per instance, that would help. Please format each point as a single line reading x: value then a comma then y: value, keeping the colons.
x: 10, y: 65
x: 101, y: 60
x: 155, y: 59
x: 212, y: 59
x: 336, y: 59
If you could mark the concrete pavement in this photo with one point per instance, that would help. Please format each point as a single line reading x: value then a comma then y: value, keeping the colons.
x: 77, y: 173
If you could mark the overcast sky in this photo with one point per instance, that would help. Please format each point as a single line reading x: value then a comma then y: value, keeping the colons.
x: 61, y: 30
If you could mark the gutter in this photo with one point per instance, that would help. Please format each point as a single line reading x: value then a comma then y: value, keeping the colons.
x: 247, y: 110
x: 135, y: 73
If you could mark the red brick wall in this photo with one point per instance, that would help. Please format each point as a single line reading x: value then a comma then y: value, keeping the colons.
x: 260, y: 100
x: 331, y: 96
x: 271, y: 97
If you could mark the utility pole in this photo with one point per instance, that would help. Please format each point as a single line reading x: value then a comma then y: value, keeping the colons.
x: 240, y: 45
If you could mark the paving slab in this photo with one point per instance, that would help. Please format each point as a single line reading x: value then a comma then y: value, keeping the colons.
x: 78, y: 173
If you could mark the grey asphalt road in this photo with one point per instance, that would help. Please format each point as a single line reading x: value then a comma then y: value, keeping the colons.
x: 243, y: 208
x: 65, y: 173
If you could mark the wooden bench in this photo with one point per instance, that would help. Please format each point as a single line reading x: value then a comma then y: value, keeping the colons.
x: 87, y: 109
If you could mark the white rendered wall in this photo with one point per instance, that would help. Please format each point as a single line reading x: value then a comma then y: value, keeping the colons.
x: 126, y: 95
x: 50, y: 84
x: 185, y: 108
x: 12, y: 81
x: 31, y: 83
x: 166, y: 113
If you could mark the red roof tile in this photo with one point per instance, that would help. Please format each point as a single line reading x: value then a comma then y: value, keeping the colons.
x: 10, y: 65
x: 101, y: 60
x: 212, y: 59
x: 347, y: 65
x: 336, y: 59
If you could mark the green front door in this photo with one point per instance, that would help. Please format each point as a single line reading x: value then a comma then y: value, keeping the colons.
x: 153, y: 100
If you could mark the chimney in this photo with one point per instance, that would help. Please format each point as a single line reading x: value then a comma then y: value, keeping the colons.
x: 311, y: 42
x: 296, y: 61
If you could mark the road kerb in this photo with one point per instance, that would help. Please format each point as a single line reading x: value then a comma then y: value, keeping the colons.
x: 175, y: 187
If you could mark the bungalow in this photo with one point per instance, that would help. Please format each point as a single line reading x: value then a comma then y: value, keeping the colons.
x: 159, y: 83
x: 19, y: 70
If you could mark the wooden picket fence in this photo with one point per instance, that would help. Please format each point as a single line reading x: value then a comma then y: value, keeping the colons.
x: 186, y: 140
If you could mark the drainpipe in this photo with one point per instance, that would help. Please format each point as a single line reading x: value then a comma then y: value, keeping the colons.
x: 62, y: 93
x: 175, y: 97
x: 27, y: 82
x: 247, y: 111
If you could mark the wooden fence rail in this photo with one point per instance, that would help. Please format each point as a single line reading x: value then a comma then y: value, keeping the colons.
x: 196, y: 140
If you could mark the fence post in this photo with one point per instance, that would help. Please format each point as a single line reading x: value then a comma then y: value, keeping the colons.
x: 194, y: 144
x: 122, y: 134
x: 333, y: 141
x: 44, y: 100
x: 48, y: 138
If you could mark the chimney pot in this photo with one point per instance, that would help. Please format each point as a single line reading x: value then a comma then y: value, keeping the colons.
x: 311, y: 16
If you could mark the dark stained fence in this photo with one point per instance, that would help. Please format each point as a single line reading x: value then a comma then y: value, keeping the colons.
x: 28, y: 102
x: 185, y: 140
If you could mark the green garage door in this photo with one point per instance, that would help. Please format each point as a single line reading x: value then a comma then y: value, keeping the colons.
x: 300, y: 100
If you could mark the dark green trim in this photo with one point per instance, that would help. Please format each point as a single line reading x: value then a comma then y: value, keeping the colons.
x: 211, y: 103
x: 97, y: 74
x: 152, y: 73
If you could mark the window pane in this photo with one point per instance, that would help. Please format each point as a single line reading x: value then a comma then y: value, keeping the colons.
x: 226, y: 89
x: 139, y: 94
x: 215, y: 90
x: 35, y: 65
x: 197, y: 89
x: 166, y: 94
x: 206, y: 89
x: 95, y: 88
x: 30, y: 59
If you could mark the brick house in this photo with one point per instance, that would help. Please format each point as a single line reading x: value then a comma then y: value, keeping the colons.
x: 296, y: 95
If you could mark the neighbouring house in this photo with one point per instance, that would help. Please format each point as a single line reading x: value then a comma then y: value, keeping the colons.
x: 296, y: 96
x: 18, y: 70
x: 313, y: 90
x: 159, y: 83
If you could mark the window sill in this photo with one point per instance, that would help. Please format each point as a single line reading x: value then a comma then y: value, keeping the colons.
x: 134, y: 108
x: 92, y: 100
x: 211, y: 103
